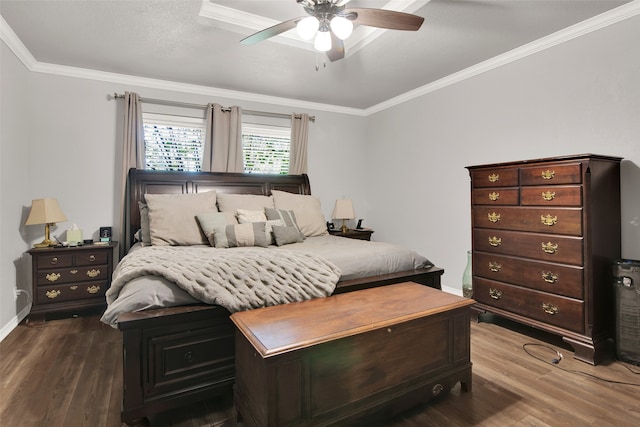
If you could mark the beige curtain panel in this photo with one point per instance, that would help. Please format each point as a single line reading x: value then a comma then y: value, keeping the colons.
x: 299, y: 137
x: 223, y: 141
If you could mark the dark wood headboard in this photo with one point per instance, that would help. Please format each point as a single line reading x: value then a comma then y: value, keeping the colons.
x: 141, y: 182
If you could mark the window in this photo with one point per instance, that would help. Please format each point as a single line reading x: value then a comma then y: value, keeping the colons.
x: 173, y: 143
x: 266, y: 148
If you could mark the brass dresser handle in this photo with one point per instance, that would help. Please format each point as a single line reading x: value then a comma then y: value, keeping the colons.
x: 93, y: 272
x: 495, y: 267
x: 52, y: 277
x: 548, y: 195
x: 493, y: 196
x: 549, y: 277
x: 548, y: 174
x: 548, y: 220
x: 493, y: 217
x: 54, y: 260
x: 495, y: 241
x: 494, y: 177
x: 92, y: 258
x: 74, y: 271
x: 495, y: 293
x: 93, y: 289
x: 549, y: 308
x: 53, y: 294
x: 549, y: 248
x: 73, y: 288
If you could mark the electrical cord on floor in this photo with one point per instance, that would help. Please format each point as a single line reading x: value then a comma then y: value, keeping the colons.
x: 554, y: 361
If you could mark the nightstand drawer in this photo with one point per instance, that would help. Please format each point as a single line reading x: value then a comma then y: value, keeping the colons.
x: 54, y: 261
x: 553, y: 278
x: 552, y: 309
x: 70, y: 292
x: 561, y: 195
x: 92, y: 258
x: 74, y: 274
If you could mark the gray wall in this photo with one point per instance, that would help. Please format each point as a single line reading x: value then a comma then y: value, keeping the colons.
x: 61, y: 138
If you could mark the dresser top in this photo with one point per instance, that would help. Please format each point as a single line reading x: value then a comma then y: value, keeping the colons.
x: 587, y: 156
x: 278, y: 329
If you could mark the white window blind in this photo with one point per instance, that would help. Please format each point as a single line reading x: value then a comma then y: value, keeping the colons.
x: 266, y: 148
x: 173, y: 143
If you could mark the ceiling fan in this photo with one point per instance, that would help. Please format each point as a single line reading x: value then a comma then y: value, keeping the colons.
x: 331, y: 23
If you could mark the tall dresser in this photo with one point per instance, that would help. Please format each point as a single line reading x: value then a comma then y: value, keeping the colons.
x: 545, y: 235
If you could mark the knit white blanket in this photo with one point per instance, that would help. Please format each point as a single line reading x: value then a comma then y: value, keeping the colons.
x: 237, y: 279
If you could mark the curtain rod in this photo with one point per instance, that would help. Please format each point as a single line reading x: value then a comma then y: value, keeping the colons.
x: 202, y: 106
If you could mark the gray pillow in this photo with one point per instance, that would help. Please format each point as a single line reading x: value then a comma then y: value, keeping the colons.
x: 284, y: 235
x: 144, y: 223
x: 288, y: 217
x: 209, y: 222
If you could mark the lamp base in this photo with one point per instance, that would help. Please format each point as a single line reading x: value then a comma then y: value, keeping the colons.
x: 344, y: 228
x: 45, y: 244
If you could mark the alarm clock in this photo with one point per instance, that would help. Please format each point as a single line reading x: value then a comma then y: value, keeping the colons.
x: 105, y: 234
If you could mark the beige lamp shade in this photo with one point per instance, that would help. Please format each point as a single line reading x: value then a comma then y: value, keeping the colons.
x: 48, y: 212
x: 343, y: 210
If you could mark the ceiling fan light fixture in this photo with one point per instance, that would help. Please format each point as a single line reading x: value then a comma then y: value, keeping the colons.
x: 322, y: 41
x: 308, y: 27
x: 341, y: 27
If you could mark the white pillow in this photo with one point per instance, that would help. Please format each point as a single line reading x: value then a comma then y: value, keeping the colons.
x: 252, y: 202
x: 245, y: 216
x: 172, y: 217
x: 306, y: 209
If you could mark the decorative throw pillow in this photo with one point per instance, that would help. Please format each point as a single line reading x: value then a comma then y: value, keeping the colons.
x: 287, y: 217
x: 209, y: 222
x: 284, y: 235
x: 253, y: 202
x: 308, y: 211
x: 239, y: 235
x: 172, y: 217
x: 250, y: 216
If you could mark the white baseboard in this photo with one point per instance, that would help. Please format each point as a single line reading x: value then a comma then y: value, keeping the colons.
x: 13, y: 323
x: 450, y: 290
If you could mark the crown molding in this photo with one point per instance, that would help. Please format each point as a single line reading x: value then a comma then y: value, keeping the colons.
x: 587, y: 26
x: 613, y: 16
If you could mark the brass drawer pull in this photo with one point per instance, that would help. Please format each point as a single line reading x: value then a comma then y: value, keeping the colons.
x: 73, y: 288
x: 549, y: 277
x: 437, y: 389
x: 549, y: 248
x: 493, y: 217
x: 549, y: 220
x: 92, y: 258
x: 495, y: 241
x: 54, y: 260
x: 52, y: 294
x: 548, y: 195
x: 495, y: 267
x: 549, y: 308
x: 495, y: 293
x: 494, y: 177
x: 493, y: 196
x: 548, y: 174
x: 73, y: 271
x: 93, y: 289
x: 93, y: 272
x: 188, y: 357
x: 52, y: 277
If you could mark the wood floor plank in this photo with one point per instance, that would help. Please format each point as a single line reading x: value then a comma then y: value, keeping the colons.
x: 68, y: 372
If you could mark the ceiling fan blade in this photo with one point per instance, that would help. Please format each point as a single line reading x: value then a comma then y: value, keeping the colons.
x: 271, y: 31
x: 337, y: 48
x: 388, y: 19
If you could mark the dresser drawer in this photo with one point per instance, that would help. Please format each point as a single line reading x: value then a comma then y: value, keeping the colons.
x: 541, y: 220
x: 70, y: 292
x: 555, y: 310
x: 73, y: 274
x: 548, y: 277
x: 494, y: 178
x: 92, y: 258
x: 551, y: 174
x: 495, y: 196
x: 561, y: 195
x: 545, y: 247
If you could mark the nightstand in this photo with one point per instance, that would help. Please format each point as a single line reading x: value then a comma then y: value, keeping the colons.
x: 353, y: 234
x: 70, y: 279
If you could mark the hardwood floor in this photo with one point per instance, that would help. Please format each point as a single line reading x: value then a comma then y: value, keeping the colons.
x: 69, y: 373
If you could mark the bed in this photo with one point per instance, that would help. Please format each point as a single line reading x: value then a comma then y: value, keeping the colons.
x: 180, y: 352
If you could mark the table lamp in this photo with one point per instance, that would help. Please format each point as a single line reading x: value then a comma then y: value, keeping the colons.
x: 47, y: 212
x: 343, y: 210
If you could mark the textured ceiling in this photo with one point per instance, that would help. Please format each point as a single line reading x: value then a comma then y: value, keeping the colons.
x: 177, y: 41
